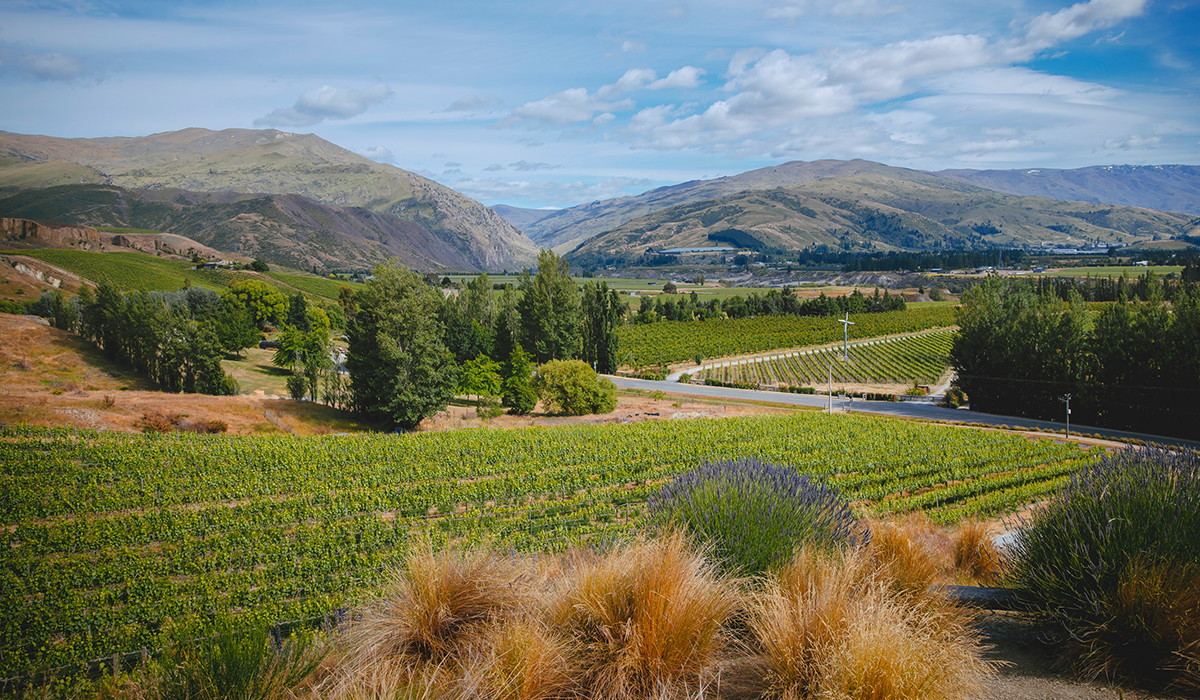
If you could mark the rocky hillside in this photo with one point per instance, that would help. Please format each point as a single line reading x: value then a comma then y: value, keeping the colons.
x: 877, y: 212
x: 260, y: 162
x: 1162, y: 187
x: 566, y: 228
x: 284, y: 229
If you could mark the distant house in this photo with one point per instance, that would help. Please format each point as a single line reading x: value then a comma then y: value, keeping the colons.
x: 1142, y: 263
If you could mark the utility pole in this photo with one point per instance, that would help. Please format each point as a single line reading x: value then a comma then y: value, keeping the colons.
x: 846, y: 337
x: 830, y: 388
x: 1066, y: 398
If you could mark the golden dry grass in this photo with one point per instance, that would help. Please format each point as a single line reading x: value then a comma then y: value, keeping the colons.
x: 975, y: 554
x: 645, y: 620
x: 840, y: 626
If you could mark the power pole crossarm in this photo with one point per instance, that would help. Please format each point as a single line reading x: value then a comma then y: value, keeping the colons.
x: 846, y: 323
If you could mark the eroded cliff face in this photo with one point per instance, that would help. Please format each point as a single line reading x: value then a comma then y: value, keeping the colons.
x: 26, y: 233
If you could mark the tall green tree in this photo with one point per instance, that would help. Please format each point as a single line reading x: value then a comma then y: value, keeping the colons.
x: 549, y: 309
x: 233, y: 326
x: 519, y: 396
x: 400, y: 369
x: 602, y: 313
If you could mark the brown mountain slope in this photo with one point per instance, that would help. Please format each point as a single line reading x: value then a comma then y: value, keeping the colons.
x: 275, y: 162
x: 877, y: 212
x: 284, y: 229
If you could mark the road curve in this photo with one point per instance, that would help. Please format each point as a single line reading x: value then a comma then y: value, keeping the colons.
x: 903, y: 409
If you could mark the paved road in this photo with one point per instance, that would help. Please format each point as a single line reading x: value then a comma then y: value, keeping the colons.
x: 905, y: 409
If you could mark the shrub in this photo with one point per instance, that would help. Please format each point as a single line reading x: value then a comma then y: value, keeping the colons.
x: 572, y: 387
x: 158, y: 422
x: 975, y: 554
x: 753, y: 514
x: 1114, y: 558
x: 297, y: 386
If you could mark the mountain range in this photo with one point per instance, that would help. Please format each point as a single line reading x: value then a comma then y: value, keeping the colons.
x: 881, y: 209
x: 241, y: 184
x: 300, y: 201
x: 1172, y: 188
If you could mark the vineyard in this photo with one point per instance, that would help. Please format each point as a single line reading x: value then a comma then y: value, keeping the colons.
x: 920, y: 358
x: 129, y: 271
x: 113, y: 540
x: 667, y: 342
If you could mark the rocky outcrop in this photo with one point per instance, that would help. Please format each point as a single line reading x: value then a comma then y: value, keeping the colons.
x: 48, y: 234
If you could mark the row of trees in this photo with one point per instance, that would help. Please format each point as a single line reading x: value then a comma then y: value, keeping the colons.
x: 412, y: 348
x: 774, y: 303
x: 1132, y: 365
x: 171, y: 338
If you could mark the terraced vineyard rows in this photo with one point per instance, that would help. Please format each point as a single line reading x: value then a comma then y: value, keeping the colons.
x: 677, y: 341
x: 921, y: 358
x: 112, y: 540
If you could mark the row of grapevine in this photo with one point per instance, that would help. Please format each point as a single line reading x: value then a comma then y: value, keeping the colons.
x: 920, y: 358
x: 667, y: 342
x: 110, y: 541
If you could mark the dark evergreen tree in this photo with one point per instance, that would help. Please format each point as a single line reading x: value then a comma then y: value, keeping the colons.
x: 549, y: 308
x: 602, y: 313
x: 518, y: 394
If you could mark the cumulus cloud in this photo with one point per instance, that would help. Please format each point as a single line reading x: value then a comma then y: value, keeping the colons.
x: 378, y: 154
x: 493, y: 168
x: 686, y: 77
x: 318, y: 104
x: 51, y: 66
x: 547, y: 192
x: 772, y: 90
x: 473, y: 103
x: 566, y: 107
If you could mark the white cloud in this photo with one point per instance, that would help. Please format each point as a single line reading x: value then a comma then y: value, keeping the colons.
x: 634, y: 79
x: 567, y: 107
x: 318, y: 104
x: 548, y: 192
x: 51, y: 66
x: 1132, y: 141
x: 789, y: 12
x: 378, y: 154
x: 774, y: 90
x: 1050, y: 29
x: 686, y: 77
x: 632, y: 46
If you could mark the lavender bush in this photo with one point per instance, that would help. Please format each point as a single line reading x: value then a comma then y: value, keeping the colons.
x: 1115, y: 558
x: 754, y: 514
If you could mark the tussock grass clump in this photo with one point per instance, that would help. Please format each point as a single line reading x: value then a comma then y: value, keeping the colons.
x: 519, y: 659
x: 902, y: 552
x: 644, y: 620
x: 1114, y: 558
x: 975, y: 553
x: 753, y: 514
x: 427, y: 620
x: 837, y: 625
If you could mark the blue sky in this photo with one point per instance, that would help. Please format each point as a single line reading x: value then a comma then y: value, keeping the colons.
x: 555, y: 103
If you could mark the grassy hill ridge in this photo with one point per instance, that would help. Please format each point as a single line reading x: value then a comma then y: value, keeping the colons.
x: 264, y: 162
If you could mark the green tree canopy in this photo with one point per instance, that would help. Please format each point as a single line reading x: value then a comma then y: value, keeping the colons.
x: 400, y: 369
x: 549, y: 309
x: 602, y: 313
